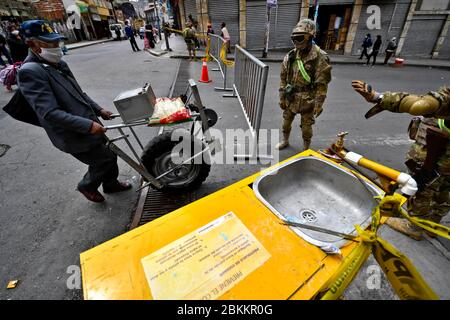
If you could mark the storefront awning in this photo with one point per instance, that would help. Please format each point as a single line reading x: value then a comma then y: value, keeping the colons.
x: 84, y: 7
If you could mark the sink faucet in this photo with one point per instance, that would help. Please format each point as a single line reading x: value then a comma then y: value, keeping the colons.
x: 339, y: 144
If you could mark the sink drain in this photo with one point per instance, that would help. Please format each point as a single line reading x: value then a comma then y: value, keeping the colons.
x: 308, y: 215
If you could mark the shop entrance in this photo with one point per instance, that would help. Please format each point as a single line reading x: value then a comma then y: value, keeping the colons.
x: 333, y: 22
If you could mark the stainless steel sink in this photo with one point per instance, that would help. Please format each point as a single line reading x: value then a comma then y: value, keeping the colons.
x: 312, y: 191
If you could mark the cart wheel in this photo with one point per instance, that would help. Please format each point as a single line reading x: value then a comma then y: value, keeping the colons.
x: 157, y: 160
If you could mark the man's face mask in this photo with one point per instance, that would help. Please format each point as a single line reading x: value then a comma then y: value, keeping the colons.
x: 301, y: 41
x: 52, y: 55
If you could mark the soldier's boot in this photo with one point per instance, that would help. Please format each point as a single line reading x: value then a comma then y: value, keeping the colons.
x: 284, y: 142
x: 405, y: 227
x: 306, y: 144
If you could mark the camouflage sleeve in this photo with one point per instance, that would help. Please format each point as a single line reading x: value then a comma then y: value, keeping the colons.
x: 322, y: 78
x: 391, y: 100
x: 284, y: 72
x: 283, y: 82
x: 431, y: 104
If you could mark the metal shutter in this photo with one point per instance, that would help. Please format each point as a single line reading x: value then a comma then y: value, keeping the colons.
x: 393, y: 16
x: 422, y: 35
x: 282, y: 21
x: 287, y: 16
x: 444, y: 53
x: 225, y: 11
x: 190, y: 7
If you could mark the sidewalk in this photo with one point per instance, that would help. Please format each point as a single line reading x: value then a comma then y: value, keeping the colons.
x: 179, y: 51
x: 83, y: 44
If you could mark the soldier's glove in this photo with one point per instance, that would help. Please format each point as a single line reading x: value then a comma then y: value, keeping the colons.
x: 365, y: 90
x: 318, y: 105
x: 317, y: 111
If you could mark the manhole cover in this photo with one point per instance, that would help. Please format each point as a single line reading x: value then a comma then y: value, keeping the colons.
x: 308, y: 215
x: 3, y: 149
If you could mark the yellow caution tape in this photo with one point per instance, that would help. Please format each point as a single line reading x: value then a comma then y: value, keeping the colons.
x: 401, y: 273
x: 347, y: 271
x: 223, y: 49
x: 391, y: 206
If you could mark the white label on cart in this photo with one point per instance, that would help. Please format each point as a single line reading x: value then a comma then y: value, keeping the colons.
x: 205, y: 263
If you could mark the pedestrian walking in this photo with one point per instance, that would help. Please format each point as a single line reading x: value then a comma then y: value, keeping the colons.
x: 118, y: 33
x: 17, y: 46
x: 305, y: 74
x: 226, y: 35
x: 130, y: 34
x: 367, y: 43
x: 66, y: 112
x: 390, y: 49
x: 210, y: 29
x: 189, y: 39
x: 431, y: 135
x: 4, y: 51
x: 375, y: 51
x: 150, y: 36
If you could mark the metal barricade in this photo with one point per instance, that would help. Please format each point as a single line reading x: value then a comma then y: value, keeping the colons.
x: 250, y: 79
x: 214, y: 52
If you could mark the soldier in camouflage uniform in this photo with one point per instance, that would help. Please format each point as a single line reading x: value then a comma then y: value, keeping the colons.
x: 432, y: 201
x: 305, y: 74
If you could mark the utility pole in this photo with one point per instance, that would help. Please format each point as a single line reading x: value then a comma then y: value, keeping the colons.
x: 266, y: 36
x: 270, y: 4
x: 157, y: 17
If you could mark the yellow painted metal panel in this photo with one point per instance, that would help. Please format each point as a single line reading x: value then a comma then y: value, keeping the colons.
x: 296, y: 269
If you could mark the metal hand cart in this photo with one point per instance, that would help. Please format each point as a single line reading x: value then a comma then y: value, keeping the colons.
x: 156, y: 163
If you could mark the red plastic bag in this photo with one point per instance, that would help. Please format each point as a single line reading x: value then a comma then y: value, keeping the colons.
x: 169, y: 111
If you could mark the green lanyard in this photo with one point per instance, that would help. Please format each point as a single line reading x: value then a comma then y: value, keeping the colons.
x: 305, y: 75
x: 442, y: 126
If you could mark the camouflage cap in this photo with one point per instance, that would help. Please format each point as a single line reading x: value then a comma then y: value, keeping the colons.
x: 305, y: 26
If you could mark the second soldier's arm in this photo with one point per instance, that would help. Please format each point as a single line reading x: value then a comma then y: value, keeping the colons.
x: 402, y: 102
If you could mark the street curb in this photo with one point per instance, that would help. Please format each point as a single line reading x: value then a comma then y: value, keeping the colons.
x: 332, y: 62
x: 89, y: 44
x: 156, y: 53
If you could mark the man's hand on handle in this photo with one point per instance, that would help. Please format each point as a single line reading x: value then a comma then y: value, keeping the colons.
x: 365, y: 90
x: 97, y: 128
x: 105, y: 114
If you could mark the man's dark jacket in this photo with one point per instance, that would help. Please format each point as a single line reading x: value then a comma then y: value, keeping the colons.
x: 63, y: 109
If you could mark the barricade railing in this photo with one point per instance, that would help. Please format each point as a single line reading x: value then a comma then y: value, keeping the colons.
x: 250, y: 80
x: 216, y: 45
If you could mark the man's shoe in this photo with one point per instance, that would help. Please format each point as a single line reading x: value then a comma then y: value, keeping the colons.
x: 405, y: 227
x: 91, y: 195
x: 117, y: 187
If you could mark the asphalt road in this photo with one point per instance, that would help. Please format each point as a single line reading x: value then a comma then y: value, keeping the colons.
x: 45, y: 223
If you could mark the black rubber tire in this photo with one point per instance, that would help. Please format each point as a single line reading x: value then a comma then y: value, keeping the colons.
x: 160, y: 146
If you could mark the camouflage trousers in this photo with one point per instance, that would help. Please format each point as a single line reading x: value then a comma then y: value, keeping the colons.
x: 306, y: 122
x: 433, y: 202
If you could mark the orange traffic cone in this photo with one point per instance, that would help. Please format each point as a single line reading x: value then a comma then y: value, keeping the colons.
x: 204, y: 77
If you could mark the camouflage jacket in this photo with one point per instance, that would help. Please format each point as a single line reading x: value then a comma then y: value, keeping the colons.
x: 391, y: 101
x: 317, y: 65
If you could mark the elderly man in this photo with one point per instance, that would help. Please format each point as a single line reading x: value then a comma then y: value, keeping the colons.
x: 66, y: 113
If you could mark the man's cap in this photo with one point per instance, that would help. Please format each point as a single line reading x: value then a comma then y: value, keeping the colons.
x: 41, y: 30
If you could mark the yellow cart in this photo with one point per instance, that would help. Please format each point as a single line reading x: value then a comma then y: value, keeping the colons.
x: 228, y: 245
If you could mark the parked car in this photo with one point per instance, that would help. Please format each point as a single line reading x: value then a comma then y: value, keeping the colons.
x: 112, y: 28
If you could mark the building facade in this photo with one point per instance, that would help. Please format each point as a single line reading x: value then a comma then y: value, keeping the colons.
x: 420, y: 26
